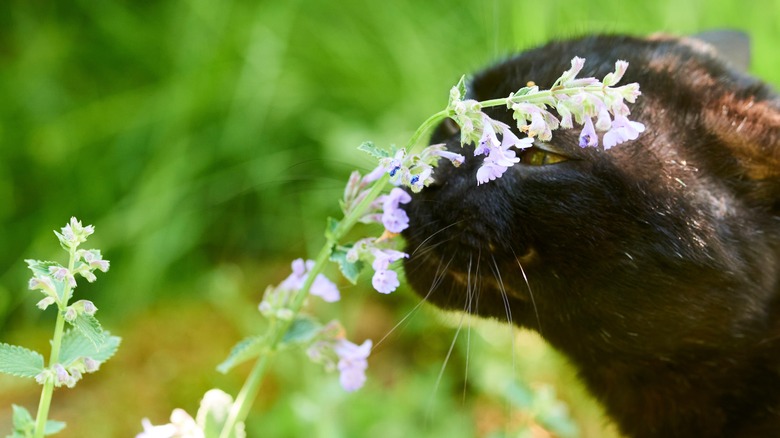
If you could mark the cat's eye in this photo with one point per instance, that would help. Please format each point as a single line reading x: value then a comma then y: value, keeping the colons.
x: 536, y: 156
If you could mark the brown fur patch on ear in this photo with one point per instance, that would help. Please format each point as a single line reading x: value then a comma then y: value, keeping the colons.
x: 751, y: 130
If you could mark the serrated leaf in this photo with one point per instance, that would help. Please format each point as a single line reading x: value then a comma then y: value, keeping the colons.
x: 243, y: 351
x: 461, y: 86
x: 350, y: 270
x: 39, y: 267
x: 330, y: 228
x: 370, y: 148
x: 19, y: 361
x: 75, y: 345
x: 303, y: 329
x: 53, y: 426
x: 89, y: 326
x: 22, y: 419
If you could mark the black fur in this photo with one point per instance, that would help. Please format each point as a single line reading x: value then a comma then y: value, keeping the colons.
x: 654, y: 265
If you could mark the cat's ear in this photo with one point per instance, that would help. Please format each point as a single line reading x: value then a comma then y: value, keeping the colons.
x: 731, y: 45
x: 749, y: 127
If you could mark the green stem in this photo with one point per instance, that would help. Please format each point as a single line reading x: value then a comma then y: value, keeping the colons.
x: 59, y: 328
x: 245, y: 398
x: 426, y: 126
x: 542, y: 95
x: 248, y: 393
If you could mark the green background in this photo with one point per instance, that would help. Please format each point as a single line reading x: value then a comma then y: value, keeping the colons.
x: 208, y: 140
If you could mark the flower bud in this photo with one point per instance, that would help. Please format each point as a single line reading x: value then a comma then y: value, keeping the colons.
x: 91, y: 365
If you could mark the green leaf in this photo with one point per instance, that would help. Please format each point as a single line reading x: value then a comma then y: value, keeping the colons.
x: 89, y: 326
x: 370, y: 148
x: 19, y: 361
x: 461, y: 86
x: 303, y: 329
x: 23, y: 421
x: 248, y: 348
x: 75, y: 345
x: 350, y: 270
x: 39, y: 267
x: 53, y: 427
x: 330, y: 228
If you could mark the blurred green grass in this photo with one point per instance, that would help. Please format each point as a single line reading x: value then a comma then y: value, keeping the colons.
x: 207, y: 141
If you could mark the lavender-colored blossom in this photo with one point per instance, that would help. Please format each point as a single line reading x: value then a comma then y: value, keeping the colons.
x: 613, y: 78
x: 373, y: 175
x: 61, y: 274
x: 325, y: 289
x: 94, y: 260
x: 44, y: 283
x: 91, y: 365
x: 622, y: 130
x: 87, y: 274
x: 385, y: 280
x: 46, y: 302
x: 352, y: 363
x: 603, y: 122
x: 488, y: 141
x: 321, y: 287
x: 489, y: 171
x: 588, y: 136
x: 89, y: 307
x: 509, y: 139
x: 455, y: 159
x: 384, y: 257
x: 576, y: 66
x: 74, y: 233
x: 71, y: 314
x: 62, y: 376
x: 394, y: 218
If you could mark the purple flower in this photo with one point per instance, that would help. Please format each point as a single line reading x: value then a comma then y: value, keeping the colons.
x: 394, y: 218
x: 60, y: 274
x: 43, y: 283
x: 489, y: 171
x: 489, y: 141
x: 603, y: 122
x: 509, y: 139
x: 91, y: 365
x: 613, y: 78
x: 588, y: 136
x: 384, y: 279
x: 622, y: 130
x: 95, y: 260
x: 352, y: 363
x: 456, y: 159
x: 321, y: 287
x: 325, y: 289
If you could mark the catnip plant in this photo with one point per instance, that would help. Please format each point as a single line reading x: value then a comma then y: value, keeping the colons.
x: 377, y: 197
x: 79, y: 350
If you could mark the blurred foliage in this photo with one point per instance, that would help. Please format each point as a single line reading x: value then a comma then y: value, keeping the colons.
x: 208, y: 140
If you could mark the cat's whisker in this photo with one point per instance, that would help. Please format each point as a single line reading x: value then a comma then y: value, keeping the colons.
x: 434, y: 234
x: 437, y: 279
x: 469, y: 300
x: 446, y: 361
x: 502, y: 289
x: 530, y: 292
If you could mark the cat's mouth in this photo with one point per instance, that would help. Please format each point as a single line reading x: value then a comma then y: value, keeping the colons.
x: 480, y: 274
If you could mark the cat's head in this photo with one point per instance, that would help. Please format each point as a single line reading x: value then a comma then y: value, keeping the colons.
x: 664, y: 242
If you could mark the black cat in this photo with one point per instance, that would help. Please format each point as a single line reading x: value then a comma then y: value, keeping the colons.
x: 654, y: 265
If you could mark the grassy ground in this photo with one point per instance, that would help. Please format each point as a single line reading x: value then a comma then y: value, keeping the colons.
x: 208, y: 140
